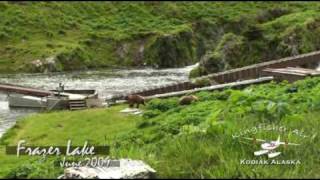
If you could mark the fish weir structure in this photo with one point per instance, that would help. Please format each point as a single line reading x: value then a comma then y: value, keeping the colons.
x: 254, y: 71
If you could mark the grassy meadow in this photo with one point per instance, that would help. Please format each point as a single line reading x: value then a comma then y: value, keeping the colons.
x: 194, y: 141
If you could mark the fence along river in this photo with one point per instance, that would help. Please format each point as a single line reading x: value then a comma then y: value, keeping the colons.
x: 244, y: 73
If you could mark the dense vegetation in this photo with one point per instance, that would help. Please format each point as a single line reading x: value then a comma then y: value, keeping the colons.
x: 61, y: 36
x: 194, y: 141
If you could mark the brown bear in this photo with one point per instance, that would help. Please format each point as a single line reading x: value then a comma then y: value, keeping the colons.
x: 135, y: 99
x: 186, y: 100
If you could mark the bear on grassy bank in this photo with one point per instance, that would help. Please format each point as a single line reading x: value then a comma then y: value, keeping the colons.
x: 135, y: 99
x: 186, y: 100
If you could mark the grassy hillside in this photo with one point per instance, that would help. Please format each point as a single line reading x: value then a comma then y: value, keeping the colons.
x: 80, y: 35
x: 194, y: 141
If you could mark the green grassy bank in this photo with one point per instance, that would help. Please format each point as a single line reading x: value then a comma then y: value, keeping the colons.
x: 65, y: 36
x: 98, y: 127
x: 194, y: 141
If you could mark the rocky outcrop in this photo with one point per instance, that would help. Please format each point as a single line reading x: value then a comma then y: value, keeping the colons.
x: 226, y: 55
x: 45, y: 65
x: 128, y: 169
x: 171, y: 50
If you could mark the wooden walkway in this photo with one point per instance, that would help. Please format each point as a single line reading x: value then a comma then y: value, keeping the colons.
x: 24, y: 90
x: 239, y: 84
x: 290, y: 74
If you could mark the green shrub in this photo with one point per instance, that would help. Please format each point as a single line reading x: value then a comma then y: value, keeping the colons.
x: 201, y: 82
x: 42, y: 168
x: 196, y: 72
x: 22, y: 172
x: 151, y: 114
x: 162, y: 105
x: 270, y: 14
x: 3, y: 36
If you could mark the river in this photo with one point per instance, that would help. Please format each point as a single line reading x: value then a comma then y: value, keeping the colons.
x: 107, y: 83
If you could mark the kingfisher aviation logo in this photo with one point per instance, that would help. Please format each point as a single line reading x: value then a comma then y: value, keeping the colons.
x: 269, y: 148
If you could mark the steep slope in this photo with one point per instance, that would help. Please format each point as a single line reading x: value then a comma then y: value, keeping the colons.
x: 61, y: 36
